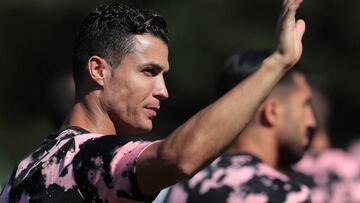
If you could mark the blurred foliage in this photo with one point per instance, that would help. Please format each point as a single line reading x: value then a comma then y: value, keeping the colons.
x: 36, y: 39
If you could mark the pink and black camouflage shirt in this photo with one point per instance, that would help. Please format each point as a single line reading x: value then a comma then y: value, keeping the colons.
x: 239, y: 178
x: 74, y: 165
x: 335, y: 176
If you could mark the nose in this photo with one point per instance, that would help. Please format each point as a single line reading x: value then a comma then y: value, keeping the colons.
x: 311, y: 118
x: 161, y: 91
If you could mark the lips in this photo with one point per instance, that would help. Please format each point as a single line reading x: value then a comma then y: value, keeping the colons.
x: 310, y: 134
x: 152, y: 111
x: 309, y: 137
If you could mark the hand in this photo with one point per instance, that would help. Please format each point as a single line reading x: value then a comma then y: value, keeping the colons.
x: 289, y: 33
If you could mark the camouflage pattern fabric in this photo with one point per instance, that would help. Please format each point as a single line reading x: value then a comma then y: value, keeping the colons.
x: 74, y: 165
x: 335, y: 176
x: 240, y: 178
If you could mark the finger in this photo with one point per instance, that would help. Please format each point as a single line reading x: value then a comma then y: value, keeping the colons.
x: 300, y: 27
x: 290, y: 8
x: 294, y: 5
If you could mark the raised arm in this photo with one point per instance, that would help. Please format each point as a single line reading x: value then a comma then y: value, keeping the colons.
x: 204, y: 136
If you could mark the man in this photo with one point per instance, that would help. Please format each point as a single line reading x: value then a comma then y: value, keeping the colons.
x: 252, y: 169
x: 120, y: 57
x: 333, y: 175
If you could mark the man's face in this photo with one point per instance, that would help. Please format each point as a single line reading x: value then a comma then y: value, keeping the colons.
x: 133, y: 90
x: 297, y: 121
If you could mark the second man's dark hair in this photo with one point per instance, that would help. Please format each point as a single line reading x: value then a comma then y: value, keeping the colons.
x: 241, y: 65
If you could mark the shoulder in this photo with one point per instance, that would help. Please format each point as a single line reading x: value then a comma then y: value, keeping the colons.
x: 105, y: 167
x: 239, y: 177
x: 109, y: 146
x: 333, y: 161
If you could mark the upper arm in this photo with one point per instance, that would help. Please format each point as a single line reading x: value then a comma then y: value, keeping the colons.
x: 156, y: 171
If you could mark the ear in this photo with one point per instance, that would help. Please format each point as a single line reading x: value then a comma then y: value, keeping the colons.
x: 270, y: 112
x: 97, y: 67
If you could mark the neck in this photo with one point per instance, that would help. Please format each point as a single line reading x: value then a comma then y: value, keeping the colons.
x: 90, y: 116
x: 258, y: 141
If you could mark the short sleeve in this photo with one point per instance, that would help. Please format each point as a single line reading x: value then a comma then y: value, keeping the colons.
x: 105, y: 169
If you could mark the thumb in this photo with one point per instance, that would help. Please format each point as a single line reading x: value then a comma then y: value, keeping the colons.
x: 300, y: 28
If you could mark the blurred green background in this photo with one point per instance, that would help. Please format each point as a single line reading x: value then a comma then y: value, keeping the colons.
x: 36, y: 41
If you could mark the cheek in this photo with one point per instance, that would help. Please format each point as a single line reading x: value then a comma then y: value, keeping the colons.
x: 302, y: 118
x: 136, y: 96
x: 129, y: 95
x: 289, y: 120
x: 143, y: 89
x: 117, y: 95
x: 291, y: 129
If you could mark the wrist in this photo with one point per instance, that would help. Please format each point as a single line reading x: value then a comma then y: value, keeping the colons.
x: 276, y: 62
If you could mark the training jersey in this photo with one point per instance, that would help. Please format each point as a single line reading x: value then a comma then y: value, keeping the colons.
x: 335, y: 176
x: 239, y: 178
x: 74, y: 165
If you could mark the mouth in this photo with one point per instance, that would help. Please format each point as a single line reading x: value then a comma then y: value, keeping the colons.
x: 310, y: 133
x: 152, y: 111
x: 309, y: 136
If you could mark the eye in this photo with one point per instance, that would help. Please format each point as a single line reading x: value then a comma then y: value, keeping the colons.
x: 151, y: 71
x: 308, y: 102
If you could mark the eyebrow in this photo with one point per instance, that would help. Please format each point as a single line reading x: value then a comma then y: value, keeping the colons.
x: 309, y: 101
x: 157, y: 66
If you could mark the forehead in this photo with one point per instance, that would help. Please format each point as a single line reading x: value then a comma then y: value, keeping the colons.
x: 301, y: 83
x: 149, y: 49
x: 299, y: 87
x: 300, y: 91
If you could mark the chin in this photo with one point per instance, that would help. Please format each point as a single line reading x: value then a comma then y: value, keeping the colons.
x: 291, y: 156
x: 146, y: 127
x: 146, y: 130
x: 133, y: 128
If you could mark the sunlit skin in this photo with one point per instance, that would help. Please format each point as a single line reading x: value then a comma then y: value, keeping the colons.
x: 112, y: 102
x: 124, y: 99
x: 133, y: 90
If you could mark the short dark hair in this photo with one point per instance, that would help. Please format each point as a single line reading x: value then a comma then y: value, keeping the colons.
x: 241, y: 65
x: 108, y: 32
